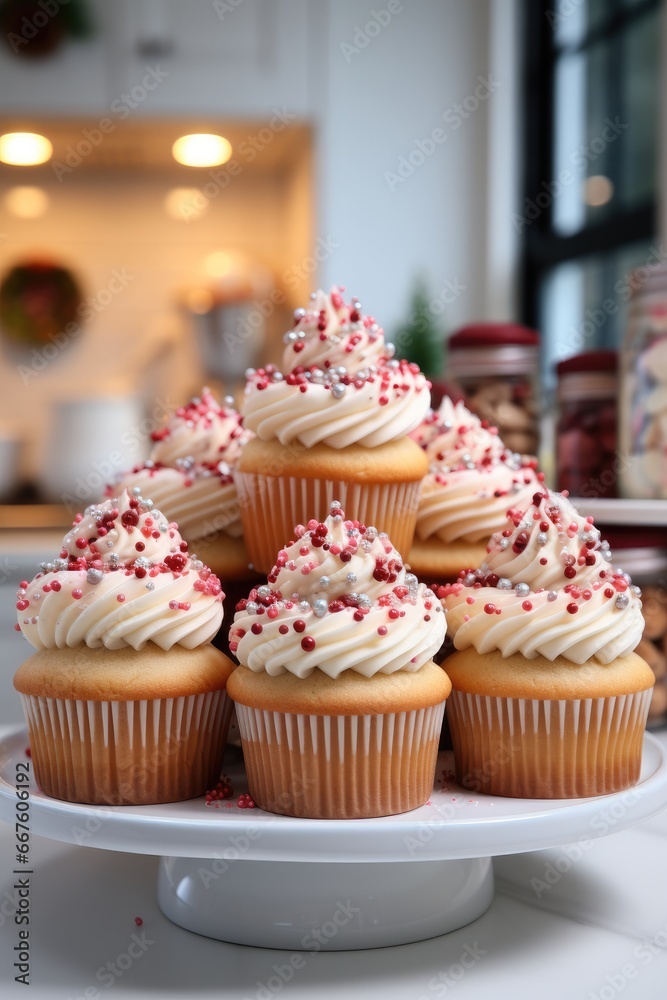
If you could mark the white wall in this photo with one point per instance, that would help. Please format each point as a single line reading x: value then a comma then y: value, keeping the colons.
x: 374, y: 103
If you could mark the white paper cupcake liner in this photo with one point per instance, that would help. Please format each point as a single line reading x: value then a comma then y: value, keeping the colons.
x: 340, y: 766
x: 547, y: 748
x: 127, y: 753
x: 272, y: 505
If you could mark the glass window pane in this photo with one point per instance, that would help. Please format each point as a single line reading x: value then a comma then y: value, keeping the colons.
x: 640, y: 55
x: 584, y: 303
x: 585, y: 140
x: 572, y: 22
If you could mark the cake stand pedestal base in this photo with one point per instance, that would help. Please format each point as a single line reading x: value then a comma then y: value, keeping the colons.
x: 322, y: 906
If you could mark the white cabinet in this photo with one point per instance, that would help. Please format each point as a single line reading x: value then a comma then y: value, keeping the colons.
x: 222, y: 58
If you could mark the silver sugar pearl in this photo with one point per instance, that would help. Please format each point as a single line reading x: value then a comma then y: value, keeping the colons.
x: 136, y: 491
x: 389, y: 350
x: 503, y: 543
x: 469, y: 580
x: 147, y: 504
x: 522, y: 590
x: 251, y: 607
x: 504, y: 584
x: 249, y: 372
x: 320, y: 607
x: 637, y: 591
x: 351, y: 577
x: 94, y: 576
x: 552, y: 595
x: 338, y: 390
x: 277, y: 376
x: 60, y: 564
x: 304, y: 606
x: 411, y: 581
x: 365, y: 601
x: 336, y: 504
x: 622, y: 601
x: 142, y: 562
x: 541, y: 538
x: 371, y: 533
x: 324, y: 582
x: 264, y: 592
x: 229, y: 401
x: 367, y: 546
x: 150, y: 585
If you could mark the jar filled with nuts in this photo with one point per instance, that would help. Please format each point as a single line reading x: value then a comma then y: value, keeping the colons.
x: 496, y: 366
x: 641, y: 552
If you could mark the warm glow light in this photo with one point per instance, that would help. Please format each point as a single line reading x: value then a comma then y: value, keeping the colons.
x: 185, y: 204
x: 200, y: 300
x: 26, y: 202
x: 219, y: 263
x: 598, y: 190
x: 201, y: 150
x: 24, y: 149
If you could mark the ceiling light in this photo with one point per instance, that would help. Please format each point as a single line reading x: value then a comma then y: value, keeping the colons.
x: 24, y: 149
x: 598, y: 190
x: 201, y: 150
x: 26, y: 202
x: 219, y: 264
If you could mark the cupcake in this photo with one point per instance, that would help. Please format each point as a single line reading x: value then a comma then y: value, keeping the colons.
x: 472, y: 480
x: 189, y: 476
x: 125, y: 697
x: 334, y: 423
x: 548, y: 698
x: 339, y: 702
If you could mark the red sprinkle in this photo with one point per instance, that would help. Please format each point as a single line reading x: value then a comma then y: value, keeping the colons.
x: 283, y: 629
x: 256, y: 628
x: 78, y: 594
x: 119, y: 597
x: 572, y: 608
x: 489, y: 609
x: 308, y: 643
x: 527, y: 606
x: 138, y: 921
x: 382, y: 630
x: 299, y: 625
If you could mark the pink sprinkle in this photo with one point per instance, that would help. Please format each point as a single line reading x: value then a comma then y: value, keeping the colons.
x: 120, y: 598
x: 77, y: 594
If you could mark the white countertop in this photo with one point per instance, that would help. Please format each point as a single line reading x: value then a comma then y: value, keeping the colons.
x: 596, y: 930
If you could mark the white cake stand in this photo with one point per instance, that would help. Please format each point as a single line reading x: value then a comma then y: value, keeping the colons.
x: 249, y: 877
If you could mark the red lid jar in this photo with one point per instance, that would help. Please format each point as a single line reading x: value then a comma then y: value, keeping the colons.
x: 496, y: 366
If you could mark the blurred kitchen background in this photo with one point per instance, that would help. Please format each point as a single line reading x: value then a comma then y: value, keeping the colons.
x: 486, y: 176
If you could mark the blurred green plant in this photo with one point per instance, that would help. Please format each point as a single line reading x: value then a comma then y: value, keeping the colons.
x: 420, y: 338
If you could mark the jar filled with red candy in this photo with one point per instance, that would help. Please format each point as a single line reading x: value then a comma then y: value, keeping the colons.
x: 496, y: 367
x: 586, y: 455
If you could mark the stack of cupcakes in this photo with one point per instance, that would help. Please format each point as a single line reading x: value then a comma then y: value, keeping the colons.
x: 125, y: 697
x: 549, y: 700
x: 472, y: 479
x: 333, y: 424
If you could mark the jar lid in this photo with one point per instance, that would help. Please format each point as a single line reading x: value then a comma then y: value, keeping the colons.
x: 493, y: 335
x: 499, y: 361
x: 589, y: 361
x: 577, y: 387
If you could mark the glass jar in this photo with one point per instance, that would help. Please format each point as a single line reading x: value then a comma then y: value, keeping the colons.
x: 642, y: 455
x: 586, y: 430
x: 496, y: 366
x: 641, y: 553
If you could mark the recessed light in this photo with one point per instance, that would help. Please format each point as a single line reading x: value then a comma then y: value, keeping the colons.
x: 24, y: 149
x: 26, y: 202
x: 202, y: 149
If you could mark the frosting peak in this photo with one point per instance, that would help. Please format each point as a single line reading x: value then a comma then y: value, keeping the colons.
x: 547, y: 587
x: 340, y: 386
x: 201, y: 432
x: 339, y: 598
x: 123, y: 577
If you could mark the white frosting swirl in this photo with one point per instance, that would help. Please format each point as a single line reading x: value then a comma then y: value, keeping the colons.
x: 189, y: 474
x: 548, y: 587
x: 338, y: 599
x: 123, y: 578
x: 342, y: 385
x: 473, y: 477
